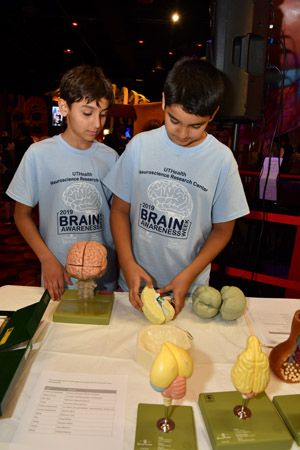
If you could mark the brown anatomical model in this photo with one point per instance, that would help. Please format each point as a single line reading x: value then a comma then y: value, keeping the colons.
x: 86, y: 261
x: 285, y: 357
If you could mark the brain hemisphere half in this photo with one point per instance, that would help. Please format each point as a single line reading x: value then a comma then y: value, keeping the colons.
x: 170, y: 197
x: 82, y: 197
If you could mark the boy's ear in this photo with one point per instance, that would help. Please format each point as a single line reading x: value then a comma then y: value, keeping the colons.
x: 211, y: 118
x: 63, y: 107
x: 163, y: 105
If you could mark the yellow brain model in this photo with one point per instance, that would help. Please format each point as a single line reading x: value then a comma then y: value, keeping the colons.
x: 172, y: 361
x: 251, y: 372
x: 157, y: 309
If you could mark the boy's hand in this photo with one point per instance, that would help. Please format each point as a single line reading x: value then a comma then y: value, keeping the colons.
x: 180, y: 286
x: 134, y: 274
x: 54, y: 275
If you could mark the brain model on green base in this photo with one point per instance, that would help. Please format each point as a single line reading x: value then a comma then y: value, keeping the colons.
x: 86, y: 261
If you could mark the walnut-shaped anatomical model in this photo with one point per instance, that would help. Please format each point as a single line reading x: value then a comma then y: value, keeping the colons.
x: 86, y: 261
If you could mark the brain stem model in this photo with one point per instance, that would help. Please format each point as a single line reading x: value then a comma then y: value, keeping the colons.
x: 86, y: 261
x: 169, y: 371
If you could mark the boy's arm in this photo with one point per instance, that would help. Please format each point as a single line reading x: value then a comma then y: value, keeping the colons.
x: 214, y: 244
x: 54, y: 273
x: 133, y: 273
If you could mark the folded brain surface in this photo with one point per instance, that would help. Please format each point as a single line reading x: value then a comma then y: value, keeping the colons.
x: 86, y: 259
x: 251, y: 372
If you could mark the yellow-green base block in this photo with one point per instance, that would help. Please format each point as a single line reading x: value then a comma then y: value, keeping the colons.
x: 96, y: 311
x: 148, y: 436
x: 288, y: 407
x: 265, y: 428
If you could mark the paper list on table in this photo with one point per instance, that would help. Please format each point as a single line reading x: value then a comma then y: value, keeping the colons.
x: 75, y: 411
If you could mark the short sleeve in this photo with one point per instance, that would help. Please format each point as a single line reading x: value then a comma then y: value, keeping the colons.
x: 120, y: 177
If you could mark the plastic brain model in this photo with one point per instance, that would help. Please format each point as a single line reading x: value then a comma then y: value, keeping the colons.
x: 86, y: 261
x: 170, y: 369
x: 157, y: 309
x: 251, y: 372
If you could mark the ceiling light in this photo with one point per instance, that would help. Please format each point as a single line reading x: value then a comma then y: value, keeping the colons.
x: 175, y: 17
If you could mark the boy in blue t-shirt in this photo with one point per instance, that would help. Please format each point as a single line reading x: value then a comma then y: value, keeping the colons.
x: 177, y: 191
x: 64, y: 175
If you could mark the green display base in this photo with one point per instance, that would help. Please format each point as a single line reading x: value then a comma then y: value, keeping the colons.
x: 147, y: 434
x: 263, y: 430
x: 288, y: 407
x: 94, y: 312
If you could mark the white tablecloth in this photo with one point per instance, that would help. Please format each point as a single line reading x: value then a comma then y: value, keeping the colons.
x: 111, y: 349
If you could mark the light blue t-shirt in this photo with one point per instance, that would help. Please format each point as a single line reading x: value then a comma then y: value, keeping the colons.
x: 176, y: 194
x: 73, y: 203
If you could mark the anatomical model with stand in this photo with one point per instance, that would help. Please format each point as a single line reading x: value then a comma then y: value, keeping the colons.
x: 86, y: 261
x: 254, y: 424
x: 167, y: 422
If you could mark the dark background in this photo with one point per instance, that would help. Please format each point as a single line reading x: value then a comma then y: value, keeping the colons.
x: 34, y: 35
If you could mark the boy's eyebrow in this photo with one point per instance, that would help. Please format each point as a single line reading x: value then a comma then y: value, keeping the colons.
x: 191, y: 124
x: 87, y: 105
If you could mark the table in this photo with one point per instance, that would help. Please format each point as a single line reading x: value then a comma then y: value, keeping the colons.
x: 111, y: 349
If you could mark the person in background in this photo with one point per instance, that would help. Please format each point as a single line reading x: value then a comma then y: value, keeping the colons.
x: 177, y: 191
x: 7, y: 170
x: 117, y: 139
x: 152, y: 124
x: 64, y: 176
x: 22, y: 142
x: 294, y: 162
x: 285, y: 152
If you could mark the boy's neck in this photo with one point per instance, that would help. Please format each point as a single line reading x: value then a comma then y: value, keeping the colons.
x: 76, y: 143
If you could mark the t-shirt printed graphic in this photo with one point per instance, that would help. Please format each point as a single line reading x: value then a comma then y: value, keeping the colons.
x: 83, y: 210
x: 167, y: 211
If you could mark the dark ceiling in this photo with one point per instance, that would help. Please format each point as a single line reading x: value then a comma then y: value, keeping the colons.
x: 34, y: 35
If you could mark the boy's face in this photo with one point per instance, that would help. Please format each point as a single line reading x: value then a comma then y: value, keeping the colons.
x: 183, y: 128
x: 85, y: 121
